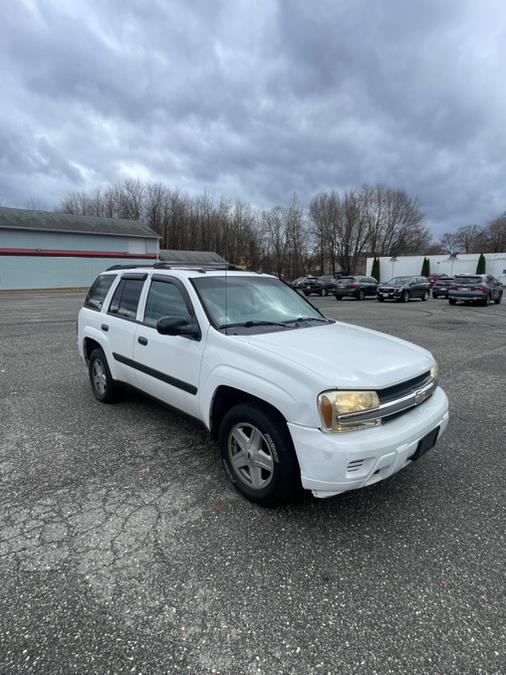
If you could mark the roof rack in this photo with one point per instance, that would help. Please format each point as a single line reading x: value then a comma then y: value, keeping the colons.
x: 208, y: 267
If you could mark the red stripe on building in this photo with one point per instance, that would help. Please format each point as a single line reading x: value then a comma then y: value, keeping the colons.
x: 75, y: 254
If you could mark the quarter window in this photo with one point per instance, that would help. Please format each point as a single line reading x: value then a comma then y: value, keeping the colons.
x: 98, y: 291
x: 164, y: 299
x: 126, y: 298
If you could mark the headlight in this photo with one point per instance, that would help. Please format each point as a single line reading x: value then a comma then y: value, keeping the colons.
x: 335, y: 406
x: 434, y: 371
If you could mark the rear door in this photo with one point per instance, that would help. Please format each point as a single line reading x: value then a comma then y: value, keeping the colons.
x: 168, y: 366
x: 120, y: 324
x: 494, y: 288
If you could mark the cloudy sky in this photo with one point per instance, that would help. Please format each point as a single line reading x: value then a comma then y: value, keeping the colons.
x: 257, y: 99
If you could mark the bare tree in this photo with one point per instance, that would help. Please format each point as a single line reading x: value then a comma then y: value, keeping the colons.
x: 467, y: 238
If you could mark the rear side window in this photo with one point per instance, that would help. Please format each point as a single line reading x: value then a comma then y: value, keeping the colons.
x: 126, y: 298
x: 98, y: 291
x: 164, y: 299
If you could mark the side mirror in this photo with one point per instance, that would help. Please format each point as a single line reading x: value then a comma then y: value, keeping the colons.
x: 176, y: 325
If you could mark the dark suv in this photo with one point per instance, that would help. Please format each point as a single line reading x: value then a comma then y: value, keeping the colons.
x: 441, y: 286
x: 309, y: 286
x: 403, y: 289
x: 355, y: 287
x: 479, y: 288
x: 327, y: 285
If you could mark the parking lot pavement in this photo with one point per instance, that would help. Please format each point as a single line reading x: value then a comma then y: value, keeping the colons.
x: 123, y: 548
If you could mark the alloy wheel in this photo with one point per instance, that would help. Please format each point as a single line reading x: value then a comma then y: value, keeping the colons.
x: 250, y: 456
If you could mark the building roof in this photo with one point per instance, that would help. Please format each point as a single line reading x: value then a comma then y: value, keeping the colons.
x: 53, y: 221
x: 191, y: 257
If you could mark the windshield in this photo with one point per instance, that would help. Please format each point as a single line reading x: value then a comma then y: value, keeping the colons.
x: 254, y: 301
x: 468, y: 280
x: 397, y: 281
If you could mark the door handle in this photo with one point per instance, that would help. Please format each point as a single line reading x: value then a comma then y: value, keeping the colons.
x: 142, y: 340
x: 104, y: 327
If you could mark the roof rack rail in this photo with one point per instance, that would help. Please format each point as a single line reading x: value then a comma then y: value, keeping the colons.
x: 207, y: 267
x: 125, y: 267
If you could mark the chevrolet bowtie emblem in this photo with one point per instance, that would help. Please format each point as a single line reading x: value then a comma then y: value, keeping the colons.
x: 420, y: 397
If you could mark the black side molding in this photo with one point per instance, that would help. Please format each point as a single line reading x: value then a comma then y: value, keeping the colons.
x: 173, y: 381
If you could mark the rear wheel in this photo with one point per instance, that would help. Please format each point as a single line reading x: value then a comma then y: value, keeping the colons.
x: 498, y: 301
x: 103, y: 386
x: 258, y: 454
x: 486, y: 302
x: 361, y: 295
x: 452, y: 301
x: 339, y: 297
x: 323, y: 292
x: 425, y: 296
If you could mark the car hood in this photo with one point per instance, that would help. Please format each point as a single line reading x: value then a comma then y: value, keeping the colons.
x: 343, y: 355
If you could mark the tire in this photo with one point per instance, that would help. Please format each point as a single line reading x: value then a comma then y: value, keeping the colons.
x: 486, y: 302
x: 425, y: 296
x: 278, y: 480
x: 338, y: 297
x: 361, y: 295
x: 499, y: 299
x: 405, y: 297
x: 452, y: 301
x: 103, y: 386
x: 380, y: 298
x: 324, y: 292
x: 305, y: 293
x: 435, y: 296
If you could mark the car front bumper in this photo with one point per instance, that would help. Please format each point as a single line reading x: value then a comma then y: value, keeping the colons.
x: 335, y: 463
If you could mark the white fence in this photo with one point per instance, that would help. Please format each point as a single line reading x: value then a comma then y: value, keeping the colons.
x: 439, y: 264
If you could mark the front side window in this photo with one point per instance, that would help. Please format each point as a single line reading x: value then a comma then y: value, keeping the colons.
x: 249, y: 302
x: 97, y: 293
x: 126, y: 298
x: 164, y: 299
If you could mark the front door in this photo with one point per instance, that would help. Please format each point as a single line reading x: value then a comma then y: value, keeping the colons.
x: 168, y: 366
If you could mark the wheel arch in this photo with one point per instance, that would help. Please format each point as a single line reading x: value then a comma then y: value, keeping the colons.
x: 226, y: 397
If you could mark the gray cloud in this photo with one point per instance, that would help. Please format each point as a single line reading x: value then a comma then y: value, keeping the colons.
x: 256, y: 100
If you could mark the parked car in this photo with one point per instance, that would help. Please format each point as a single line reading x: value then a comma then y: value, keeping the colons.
x: 296, y: 283
x: 403, y: 289
x: 475, y: 288
x: 441, y: 286
x: 433, y: 278
x: 310, y: 286
x: 327, y: 284
x: 355, y: 287
x: 292, y: 397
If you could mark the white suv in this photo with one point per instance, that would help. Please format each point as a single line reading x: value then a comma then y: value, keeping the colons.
x: 294, y: 398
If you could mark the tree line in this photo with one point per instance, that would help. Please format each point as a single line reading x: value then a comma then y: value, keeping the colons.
x: 490, y: 238
x: 336, y: 233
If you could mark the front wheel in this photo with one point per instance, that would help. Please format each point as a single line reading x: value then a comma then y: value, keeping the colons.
x: 452, y: 301
x: 103, y: 386
x: 258, y: 454
x: 405, y: 296
x: 498, y: 301
x: 323, y: 292
x: 339, y: 297
x: 425, y: 296
x: 380, y: 298
x: 361, y: 295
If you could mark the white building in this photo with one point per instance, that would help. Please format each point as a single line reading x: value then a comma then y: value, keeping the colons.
x: 439, y: 264
x: 42, y: 249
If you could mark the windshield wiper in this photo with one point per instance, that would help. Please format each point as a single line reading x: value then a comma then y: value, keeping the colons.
x: 307, y: 318
x: 250, y: 324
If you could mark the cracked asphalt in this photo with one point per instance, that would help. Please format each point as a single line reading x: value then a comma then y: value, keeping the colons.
x: 124, y: 549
